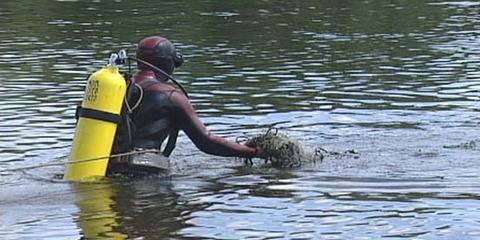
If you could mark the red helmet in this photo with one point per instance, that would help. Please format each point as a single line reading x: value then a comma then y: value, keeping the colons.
x: 159, y: 52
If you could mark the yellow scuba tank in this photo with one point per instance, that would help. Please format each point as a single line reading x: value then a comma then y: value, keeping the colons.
x: 97, y: 124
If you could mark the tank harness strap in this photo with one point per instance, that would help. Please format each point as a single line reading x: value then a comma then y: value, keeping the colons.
x: 172, y: 141
x: 97, y: 115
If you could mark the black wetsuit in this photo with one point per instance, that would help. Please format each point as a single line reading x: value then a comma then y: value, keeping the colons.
x: 164, y: 110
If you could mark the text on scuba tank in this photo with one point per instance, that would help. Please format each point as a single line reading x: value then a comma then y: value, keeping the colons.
x: 92, y: 90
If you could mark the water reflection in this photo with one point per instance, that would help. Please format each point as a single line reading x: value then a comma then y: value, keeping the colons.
x: 129, y: 208
x: 97, y: 217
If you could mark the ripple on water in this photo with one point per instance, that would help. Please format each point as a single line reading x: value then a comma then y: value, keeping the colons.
x: 313, y: 206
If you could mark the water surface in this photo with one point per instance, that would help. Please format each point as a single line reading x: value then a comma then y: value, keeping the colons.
x: 395, y: 81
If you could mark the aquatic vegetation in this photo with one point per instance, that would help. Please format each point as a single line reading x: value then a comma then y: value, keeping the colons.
x: 282, y: 151
x: 279, y: 149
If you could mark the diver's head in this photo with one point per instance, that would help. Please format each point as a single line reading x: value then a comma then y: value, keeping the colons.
x: 159, y: 52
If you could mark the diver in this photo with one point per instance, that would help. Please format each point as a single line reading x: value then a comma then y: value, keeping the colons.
x: 163, y: 110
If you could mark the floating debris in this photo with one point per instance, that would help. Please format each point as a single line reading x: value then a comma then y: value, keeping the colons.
x: 348, y: 153
x: 473, y: 144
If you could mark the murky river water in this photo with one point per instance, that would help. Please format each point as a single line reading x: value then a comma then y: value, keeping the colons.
x: 396, y: 81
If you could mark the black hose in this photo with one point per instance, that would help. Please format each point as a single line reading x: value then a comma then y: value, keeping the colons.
x: 162, y: 72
